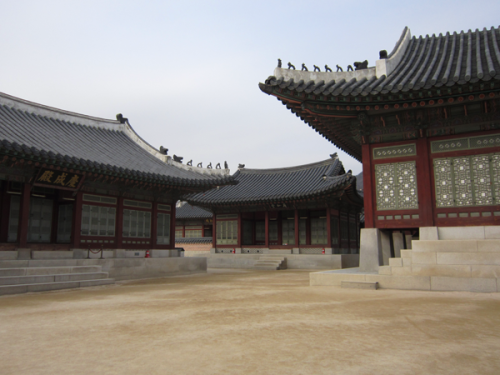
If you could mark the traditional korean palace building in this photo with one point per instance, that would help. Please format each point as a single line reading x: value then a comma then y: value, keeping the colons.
x: 70, y: 181
x: 307, y: 209
x: 193, y: 228
x: 425, y: 123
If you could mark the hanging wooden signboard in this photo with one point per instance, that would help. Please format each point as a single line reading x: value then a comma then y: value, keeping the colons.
x: 58, y: 179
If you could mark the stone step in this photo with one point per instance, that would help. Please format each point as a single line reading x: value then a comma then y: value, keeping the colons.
x: 25, y: 288
x: 26, y: 271
x: 456, y: 246
x: 48, y: 263
x: 266, y: 268
x: 359, y: 284
x: 395, y: 262
x: 463, y: 258
x: 444, y: 270
x: 270, y: 262
x: 43, y: 279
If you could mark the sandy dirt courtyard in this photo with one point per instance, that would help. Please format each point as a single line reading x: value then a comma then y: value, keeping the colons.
x: 248, y: 322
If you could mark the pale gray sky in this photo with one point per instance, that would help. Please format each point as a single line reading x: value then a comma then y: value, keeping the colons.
x: 186, y: 73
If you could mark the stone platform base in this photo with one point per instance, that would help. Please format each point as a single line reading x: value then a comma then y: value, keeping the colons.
x: 293, y: 261
x: 130, y: 264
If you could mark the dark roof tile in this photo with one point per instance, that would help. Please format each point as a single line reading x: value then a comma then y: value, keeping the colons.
x: 105, y: 145
x: 280, y: 184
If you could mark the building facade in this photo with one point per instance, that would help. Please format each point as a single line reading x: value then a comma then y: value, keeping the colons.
x: 308, y: 209
x: 424, y: 121
x: 70, y: 181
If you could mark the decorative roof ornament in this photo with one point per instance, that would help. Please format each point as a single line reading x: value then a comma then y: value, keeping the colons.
x: 291, y: 66
x: 383, y: 54
x: 218, y: 166
x: 241, y: 166
x: 178, y: 159
x: 190, y: 163
x: 334, y: 155
x: 163, y: 150
x: 279, y: 63
x: 200, y: 165
x: 225, y: 165
x: 209, y: 166
x: 316, y: 69
x: 349, y: 68
x: 339, y: 69
x: 361, y: 65
x: 121, y: 119
x: 327, y: 69
x: 304, y: 67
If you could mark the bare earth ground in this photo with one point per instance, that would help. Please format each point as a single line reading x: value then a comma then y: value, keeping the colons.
x: 248, y: 322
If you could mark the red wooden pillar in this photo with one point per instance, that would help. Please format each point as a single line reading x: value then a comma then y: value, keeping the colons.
x: 4, y: 212
x: 154, y: 226
x: 214, y: 231
x: 172, y: 226
x: 328, y: 228
x: 24, y: 214
x: 424, y: 182
x: 77, y: 220
x: 296, y: 228
x: 349, y: 230
x: 119, y: 224
x: 240, y: 223
x: 368, y: 186
x: 266, y: 230
x: 280, y: 231
x: 183, y: 229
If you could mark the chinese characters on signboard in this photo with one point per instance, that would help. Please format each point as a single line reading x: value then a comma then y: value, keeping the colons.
x: 58, y: 179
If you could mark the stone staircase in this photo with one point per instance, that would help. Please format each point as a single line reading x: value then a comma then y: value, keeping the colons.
x: 270, y: 263
x: 40, y: 276
x: 466, y: 265
x: 444, y: 259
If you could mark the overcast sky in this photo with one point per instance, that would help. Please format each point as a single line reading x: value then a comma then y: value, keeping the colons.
x: 186, y: 73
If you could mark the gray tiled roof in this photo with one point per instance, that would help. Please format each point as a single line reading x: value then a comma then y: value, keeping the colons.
x: 107, y: 146
x: 278, y: 185
x: 188, y: 211
x: 424, y: 63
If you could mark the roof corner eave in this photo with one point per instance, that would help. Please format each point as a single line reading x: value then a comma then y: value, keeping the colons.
x: 387, y: 66
x: 265, y: 88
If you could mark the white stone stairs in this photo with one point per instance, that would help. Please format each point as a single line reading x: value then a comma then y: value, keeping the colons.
x: 270, y: 263
x: 16, y: 279
x: 447, y: 265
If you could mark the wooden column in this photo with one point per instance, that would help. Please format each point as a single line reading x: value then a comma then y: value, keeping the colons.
x: 424, y: 183
x: 4, y: 212
x: 172, y: 225
x: 154, y: 226
x: 296, y: 228
x: 280, y: 231
x: 328, y: 229
x: 76, y: 234
x: 24, y: 214
x: 119, y: 224
x: 214, y: 230
x: 240, y: 224
x: 266, y: 230
x: 368, y: 186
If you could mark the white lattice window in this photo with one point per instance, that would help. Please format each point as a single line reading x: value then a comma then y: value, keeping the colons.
x: 227, y: 232
x: 467, y: 180
x: 163, y: 229
x: 396, y: 186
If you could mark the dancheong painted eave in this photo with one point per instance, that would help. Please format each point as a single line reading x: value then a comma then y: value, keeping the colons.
x: 50, y: 136
x: 268, y: 186
x: 430, y: 71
